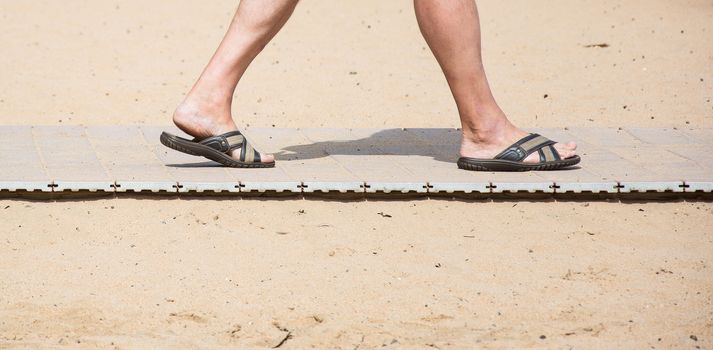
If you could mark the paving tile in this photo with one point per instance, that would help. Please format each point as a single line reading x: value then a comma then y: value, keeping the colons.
x: 269, y: 179
x: 322, y: 174
x: 70, y: 160
x: 443, y: 144
x: 445, y: 176
x: 396, y: 187
x: 626, y: 171
x: 152, y: 133
x: 333, y: 186
x: 128, y: 158
x: 283, y: 143
x: 419, y: 161
x: 597, y: 155
x: 694, y: 153
x: 574, y: 174
x: 609, y: 166
x: 660, y: 136
x: 651, y: 169
x: 520, y: 182
x: 699, y: 186
x: 382, y: 173
x: 687, y: 172
x: 337, y: 141
x: 634, y: 177
x: 387, y: 137
x: 401, y: 142
x: 367, y: 142
x: 454, y: 187
x: 604, y: 137
x: 582, y: 187
x: 21, y: 162
x: 317, y: 169
x: 76, y: 186
x: 29, y: 186
x: 579, y: 180
x: 599, y: 171
x: 201, y: 187
x: 146, y: 186
x: 699, y: 136
x: 363, y: 135
x: 201, y: 176
x: 382, y: 167
x: 648, y: 155
x: 651, y: 186
x: 444, y: 137
x: 450, y: 179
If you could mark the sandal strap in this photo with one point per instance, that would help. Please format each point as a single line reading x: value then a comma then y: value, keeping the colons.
x: 548, y: 154
x: 248, y: 154
x: 233, y: 140
x: 529, y: 144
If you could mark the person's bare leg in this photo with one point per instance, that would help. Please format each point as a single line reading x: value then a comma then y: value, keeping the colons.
x: 452, y: 30
x: 206, y: 110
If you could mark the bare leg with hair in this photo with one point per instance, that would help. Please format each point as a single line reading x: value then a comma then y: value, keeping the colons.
x: 452, y: 30
x: 206, y: 110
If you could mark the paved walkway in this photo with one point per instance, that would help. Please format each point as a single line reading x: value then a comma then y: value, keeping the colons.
x: 130, y: 158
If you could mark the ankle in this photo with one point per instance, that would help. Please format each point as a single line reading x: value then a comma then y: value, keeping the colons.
x: 483, y: 122
x: 209, y: 96
x: 195, y: 107
x: 201, y: 121
x: 491, y: 132
x: 209, y: 101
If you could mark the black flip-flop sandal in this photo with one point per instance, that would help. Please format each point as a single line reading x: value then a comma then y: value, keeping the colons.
x: 218, y: 148
x: 511, y: 159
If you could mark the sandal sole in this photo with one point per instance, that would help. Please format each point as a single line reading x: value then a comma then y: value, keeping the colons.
x: 474, y: 164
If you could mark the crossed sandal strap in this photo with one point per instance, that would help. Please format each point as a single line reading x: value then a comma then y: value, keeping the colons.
x: 233, y: 140
x: 528, y: 145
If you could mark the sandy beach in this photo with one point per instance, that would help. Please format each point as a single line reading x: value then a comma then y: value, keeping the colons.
x: 195, y: 272
x: 206, y: 274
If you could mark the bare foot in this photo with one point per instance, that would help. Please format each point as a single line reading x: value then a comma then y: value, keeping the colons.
x: 202, y: 122
x: 488, y: 145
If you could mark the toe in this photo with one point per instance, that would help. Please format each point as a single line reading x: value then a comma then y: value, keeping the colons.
x: 267, y: 158
x: 566, y: 150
